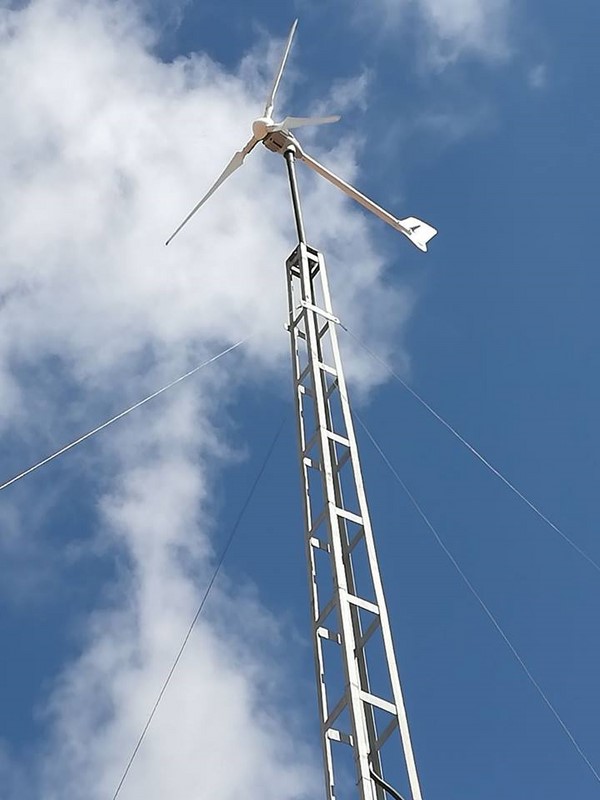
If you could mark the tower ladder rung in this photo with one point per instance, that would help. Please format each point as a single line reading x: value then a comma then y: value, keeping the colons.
x: 349, y: 515
x: 327, y: 368
x: 366, y: 604
x: 378, y: 702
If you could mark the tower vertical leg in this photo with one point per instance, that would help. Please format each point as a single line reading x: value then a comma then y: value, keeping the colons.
x: 359, y: 693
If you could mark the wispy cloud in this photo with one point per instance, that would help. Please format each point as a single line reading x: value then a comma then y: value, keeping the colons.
x: 216, y: 712
x: 537, y: 77
x: 451, y: 29
x: 466, y: 27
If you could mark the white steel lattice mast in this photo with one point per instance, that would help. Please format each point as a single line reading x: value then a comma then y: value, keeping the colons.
x: 349, y: 613
x: 362, y: 712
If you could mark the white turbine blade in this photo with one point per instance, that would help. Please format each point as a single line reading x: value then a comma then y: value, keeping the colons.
x: 417, y: 231
x: 289, y: 123
x: 236, y: 162
x: 286, y: 52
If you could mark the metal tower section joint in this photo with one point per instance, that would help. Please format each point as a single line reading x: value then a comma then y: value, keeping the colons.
x: 361, y: 706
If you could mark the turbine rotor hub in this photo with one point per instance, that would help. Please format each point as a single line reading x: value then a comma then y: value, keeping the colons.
x: 261, y: 127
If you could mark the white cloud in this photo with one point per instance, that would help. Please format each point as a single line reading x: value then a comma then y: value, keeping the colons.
x: 214, y: 734
x: 453, y: 122
x: 350, y: 93
x: 537, y: 77
x: 453, y: 28
x: 103, y: 150
x: 459, y: 27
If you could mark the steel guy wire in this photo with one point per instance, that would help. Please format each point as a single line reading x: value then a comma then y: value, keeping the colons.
x: 200, y: 608
x: 479, y: 599
x: 474, y: 451
x: 119, y: 416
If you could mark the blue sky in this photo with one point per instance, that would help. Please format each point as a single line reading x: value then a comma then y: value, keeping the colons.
x: 482, y: 118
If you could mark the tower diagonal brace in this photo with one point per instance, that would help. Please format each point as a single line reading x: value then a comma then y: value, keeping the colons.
x: 360, y: 698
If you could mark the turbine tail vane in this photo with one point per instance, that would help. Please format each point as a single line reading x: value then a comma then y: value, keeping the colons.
x: 279, y: 73
x: 419, y: 232
x: 235, y: 163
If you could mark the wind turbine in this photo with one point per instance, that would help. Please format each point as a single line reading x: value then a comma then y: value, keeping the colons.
x: 276, y: 136
x: 360, y: 697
